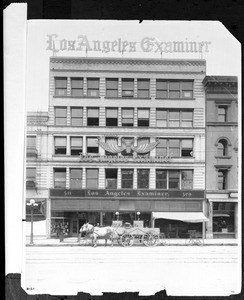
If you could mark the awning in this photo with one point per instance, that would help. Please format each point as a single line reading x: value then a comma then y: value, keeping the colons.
x: 191, y: 217
x: 220, y: 215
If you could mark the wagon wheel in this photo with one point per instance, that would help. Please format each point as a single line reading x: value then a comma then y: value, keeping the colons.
x: 150, y: 239
x: 127, y: 240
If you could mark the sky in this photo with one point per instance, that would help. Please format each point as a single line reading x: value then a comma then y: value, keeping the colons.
x: 223, y: 56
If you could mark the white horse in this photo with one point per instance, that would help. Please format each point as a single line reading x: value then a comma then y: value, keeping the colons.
x: 106, y: 233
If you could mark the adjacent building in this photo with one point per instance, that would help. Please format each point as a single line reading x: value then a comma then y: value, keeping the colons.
x: 125, y: 139
x: 222, y: 155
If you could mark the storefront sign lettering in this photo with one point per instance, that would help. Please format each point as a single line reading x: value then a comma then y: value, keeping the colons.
x: 146, y: 44
x: 127, y: 194
x: 124, y: 159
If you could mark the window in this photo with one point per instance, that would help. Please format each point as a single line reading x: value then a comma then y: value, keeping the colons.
x: 174, y: 179
x: 174, y: 89
x: 187, y: 89
x: 60, y: 86
x: 222, y: 113
x: 60, y: 145
x: 31, y: 146
x: 111, y: 141
x: 143, y: 88
x: 161, y: 89
x: 111, y: 87
x: 92, y: 145
x: 31, y: 141
x: 92, y: 178
x: 174, y: 118
x: 127, y: 117
x: 222, y: 148
x: 223, y: 217
x: 75, y: 178
x: 174, y: 148
x: 127, y: 87
x: 93, y: 87
x: 141, y: 142
x: 161, y: 179
x: 127, y: 178
x: 186, y: 118
x: 76, y: 116
x: 161, y: 149
x: 76, y: 87
x: 143, y: 117
x: 30, y: 177
x: 187, y: 180
x: 93, y: 117
x: 222, y: 179
x: 186, y: 147
x: 60, y: 178
x: 61, y: 116
x: 111, y: 117
x: 161, y: 118
x: 111, y: 178
x: 76, y: 145
x: 142, y: 178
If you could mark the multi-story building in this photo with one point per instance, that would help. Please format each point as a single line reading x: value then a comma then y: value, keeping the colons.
x: 122, y: 139
x: 222, y: 155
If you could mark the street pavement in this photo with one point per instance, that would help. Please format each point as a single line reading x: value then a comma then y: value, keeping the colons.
x: 187, y: 270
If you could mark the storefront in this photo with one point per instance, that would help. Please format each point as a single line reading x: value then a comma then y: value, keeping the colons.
x: 72, y: 208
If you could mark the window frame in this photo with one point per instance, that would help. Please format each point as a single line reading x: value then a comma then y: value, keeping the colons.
x: 141, y: 182
x: 168, y: 90
x: 96, y: 178
x: 60, y: 147
x: 143, y: 122
x: 143, y: 89
x: 72, y: 80
x: 75, y: 179
x: 123, y: 118
x: 116, y: 88
x: 125, y: 180
x: 225, y: 179
x: 75, y: 148
x: 91, y: 89
x: 87, y: 146
x: 114, y: 180
x: 167, y: 119
x: 62, y: 186
x: 73, y: 118
x: 64, y: 118
x: 225, y: 107
x: 60, y: 88
x: 93, y: 121
x: 112, y: 120
x: 128, y: 92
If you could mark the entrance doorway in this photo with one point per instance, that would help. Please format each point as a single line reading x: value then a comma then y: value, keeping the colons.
x: 76, y: 225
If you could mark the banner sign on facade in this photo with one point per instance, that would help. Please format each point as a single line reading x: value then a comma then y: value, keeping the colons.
x: 128, y: 194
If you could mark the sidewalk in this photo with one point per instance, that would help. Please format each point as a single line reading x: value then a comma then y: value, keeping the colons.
x: 73, y: 241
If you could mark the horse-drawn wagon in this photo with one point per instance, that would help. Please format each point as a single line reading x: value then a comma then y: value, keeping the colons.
x: 128, y: 235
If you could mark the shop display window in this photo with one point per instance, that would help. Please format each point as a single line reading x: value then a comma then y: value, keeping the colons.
x: 223, y: 217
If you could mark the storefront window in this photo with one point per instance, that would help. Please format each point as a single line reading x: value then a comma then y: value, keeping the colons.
x: 223, y: 217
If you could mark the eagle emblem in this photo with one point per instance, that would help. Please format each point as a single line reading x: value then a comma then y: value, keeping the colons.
x: 128, y: 146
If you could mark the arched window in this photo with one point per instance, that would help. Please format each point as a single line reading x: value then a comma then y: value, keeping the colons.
x: 222, y: 147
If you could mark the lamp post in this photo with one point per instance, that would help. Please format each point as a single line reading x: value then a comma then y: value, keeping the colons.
x: 32, y: 204
x: 117, y: 214
x: 138, y: 215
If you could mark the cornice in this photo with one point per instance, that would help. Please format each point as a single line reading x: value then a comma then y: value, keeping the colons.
x: 128, y: 61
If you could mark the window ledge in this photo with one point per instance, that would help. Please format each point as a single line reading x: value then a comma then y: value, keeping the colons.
x: 222, y: 157
x: 156, y: 98
x: 78, y: 97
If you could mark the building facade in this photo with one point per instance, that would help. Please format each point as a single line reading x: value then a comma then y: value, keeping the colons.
x: 222, y: 155
x: 122, y: 139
